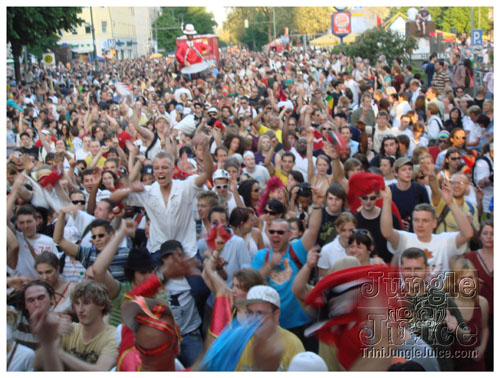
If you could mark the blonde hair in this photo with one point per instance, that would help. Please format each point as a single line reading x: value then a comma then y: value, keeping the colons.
x: 457, y: 271
x: 344, y: 218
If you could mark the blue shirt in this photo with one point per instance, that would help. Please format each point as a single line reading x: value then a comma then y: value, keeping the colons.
x: 281, y: 278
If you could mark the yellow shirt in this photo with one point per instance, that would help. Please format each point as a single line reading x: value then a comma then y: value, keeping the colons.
x: 100, y: 162
x: 90, y: 351
x: 280, y: 174
x: 449, y: 224
x: 291, y: 346
x: 263, y: 129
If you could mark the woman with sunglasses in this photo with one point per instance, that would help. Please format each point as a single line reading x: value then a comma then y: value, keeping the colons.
x: 361, y: 246
x: 452, y: 162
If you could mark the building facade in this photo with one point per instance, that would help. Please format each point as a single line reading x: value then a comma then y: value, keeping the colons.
x: 120, y: 32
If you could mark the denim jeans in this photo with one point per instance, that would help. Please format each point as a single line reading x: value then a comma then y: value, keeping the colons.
x: 191, y: 348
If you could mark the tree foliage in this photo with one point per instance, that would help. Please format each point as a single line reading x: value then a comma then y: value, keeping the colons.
x: 378, y: 41
x: 168, y: 26
x: 27, y: 26
x: 312, y: 20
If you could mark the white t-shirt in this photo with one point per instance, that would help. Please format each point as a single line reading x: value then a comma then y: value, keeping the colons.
x: 439, y: 250
x: 330, y: 253
x: 301, y: 163
x: 176, y: 221
x: 22, y: 360
x: 26, y: 262
x: 260, y: 173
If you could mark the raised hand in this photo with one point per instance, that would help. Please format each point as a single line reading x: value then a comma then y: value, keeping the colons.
x: 313, y: 256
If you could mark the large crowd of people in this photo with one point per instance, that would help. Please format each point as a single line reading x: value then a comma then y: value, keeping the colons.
x: 231, y: 219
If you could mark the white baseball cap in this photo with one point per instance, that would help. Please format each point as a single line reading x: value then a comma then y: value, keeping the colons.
x: 220, y: 174
x: 262, y: 293
x: 307, y: 361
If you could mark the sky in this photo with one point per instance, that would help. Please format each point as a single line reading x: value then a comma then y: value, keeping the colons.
x: 219, y: 13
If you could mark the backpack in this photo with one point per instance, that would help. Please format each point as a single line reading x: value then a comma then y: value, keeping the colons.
x: 490, y: 166
x: 446, y: 210
x: 294, y: 257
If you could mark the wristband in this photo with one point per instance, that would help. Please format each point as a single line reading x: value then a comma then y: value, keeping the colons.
x: 316, y: 207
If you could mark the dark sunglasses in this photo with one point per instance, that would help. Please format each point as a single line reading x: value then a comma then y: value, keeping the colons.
x: 270, y: 212
x: 443, y: 140
x: 371, y: 198
x: 76, y: 202
x: 454, y: 158
x: 279, y: 232
x: 221, y: 186
x: 100, y: 236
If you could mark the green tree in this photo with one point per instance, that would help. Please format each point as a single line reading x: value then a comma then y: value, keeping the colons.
x: 312, y: 20
x: 167, y: 27
x: 27, y: 26
x: 379, y: 41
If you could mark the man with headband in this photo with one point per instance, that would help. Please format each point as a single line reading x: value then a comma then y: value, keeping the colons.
x: 157, y: 336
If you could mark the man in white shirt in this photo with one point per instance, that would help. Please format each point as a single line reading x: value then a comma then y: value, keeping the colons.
x: 438, y: 248
x: 166, y: 202
x: 258, y: 172
x: 21, y: 260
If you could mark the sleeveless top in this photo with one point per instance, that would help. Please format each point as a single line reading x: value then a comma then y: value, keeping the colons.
x: 485, y: 279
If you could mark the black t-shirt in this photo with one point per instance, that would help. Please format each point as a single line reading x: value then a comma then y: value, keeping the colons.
x: 33, y: 151
x: 327, y: 231
x: 407, y: 200
x: 373, y: 225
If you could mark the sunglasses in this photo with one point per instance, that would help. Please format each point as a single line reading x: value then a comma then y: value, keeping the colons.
x: 221, y: 186
x: 443, y: 140
x: 270, y: 212
x: 100, y: 236
x: 76, y: 202
x: 279, y: 232
x: 454, y: 158
x: 361, y: 231
x: 371, y: 198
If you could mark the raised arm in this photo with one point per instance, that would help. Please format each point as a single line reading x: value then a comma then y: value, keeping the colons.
x: 208, y: 165
x: 284, y: 137
x: 106, y: 256
x: 64, y: 244
x: 120, y: 194
x: 12, y: 249
x: 433, y: 183
x: 466, y: 231
x: 299, y: 288
x: 310, y: 164
x: 386, y: 226
x: 311, y: 234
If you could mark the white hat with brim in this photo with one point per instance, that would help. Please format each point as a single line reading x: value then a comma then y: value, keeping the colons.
x: 189, y: 29
x: 261, y: 293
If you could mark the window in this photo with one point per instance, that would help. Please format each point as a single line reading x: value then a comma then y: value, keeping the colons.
x: 104, y: 25
x: 74, y: 31
x: 87, y: 28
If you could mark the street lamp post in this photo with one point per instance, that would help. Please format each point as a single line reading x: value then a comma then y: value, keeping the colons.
x: 93, y: 39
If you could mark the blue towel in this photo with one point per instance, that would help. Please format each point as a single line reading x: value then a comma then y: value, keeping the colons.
x: 225, y: 351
